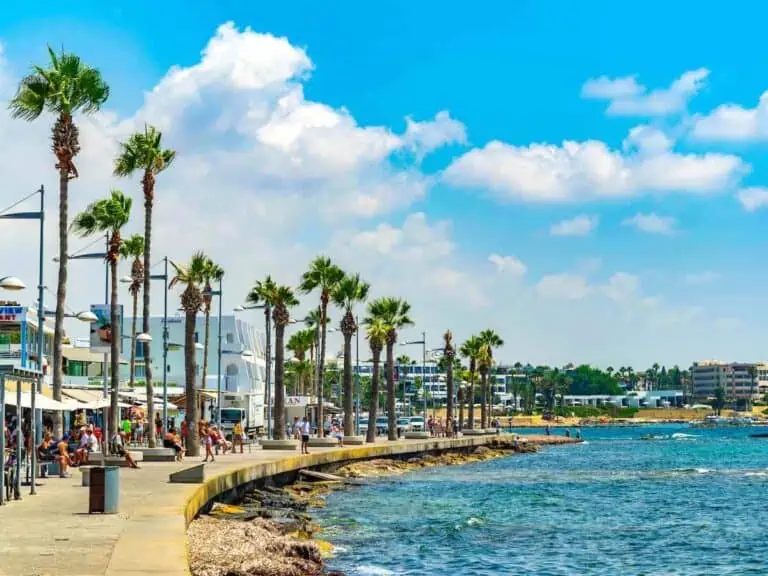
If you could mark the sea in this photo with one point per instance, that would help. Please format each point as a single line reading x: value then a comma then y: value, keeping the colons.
x: 690, y: 501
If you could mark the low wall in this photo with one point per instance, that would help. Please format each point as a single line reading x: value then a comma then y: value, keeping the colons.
x: 229, y: 482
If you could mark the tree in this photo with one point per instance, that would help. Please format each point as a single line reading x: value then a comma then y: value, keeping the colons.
x: 719, y: 401
x: 133, y: 247
x: 492, y: 340
x: 109, y: 215
x: 281, y: 299
x: 752, y: 371
x: 312, y: 322
x: 258, y: 296
x: 299, y: 343
x: 395, y: 314
x: 562, y: 387
x: 212, y: 272
x: 376, y: 331
x: 401, y: 362
x: 143, y: 152
x: 66, y: 87
x: 484, y: 363
x: 191, y: 276
x: 350, y: 290
x: 325, y: 275
x: 449, y: 353
x: 470, y: 349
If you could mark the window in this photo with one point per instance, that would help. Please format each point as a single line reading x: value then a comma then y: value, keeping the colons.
x: 230, y: 338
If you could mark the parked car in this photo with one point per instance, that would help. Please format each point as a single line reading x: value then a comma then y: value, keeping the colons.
x: 417, y: 424
x: 363, y: 425
x: 382, y: 425
x: 403, y: 426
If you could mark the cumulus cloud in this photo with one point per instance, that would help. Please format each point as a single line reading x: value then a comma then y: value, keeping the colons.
x: 563, y: 287
x: 590, y: 170
x: 581, y: 225
x: 652, y: 223
x: 508, y: 264
x: 753, y: 198
x: 425, y: 137
x: 733, y: 123
x: 626, y: 97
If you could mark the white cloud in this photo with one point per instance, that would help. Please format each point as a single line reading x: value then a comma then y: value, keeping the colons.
x: 425, y: 137
x: 508, y: 264
x: 563, y: 287
x: 732, y: 123
x: 626, y: 97
x: 622, y: 287
x: 590, y: 170
x: 753, y: 198
x: 652, y: 223
x: 698, y: 278
x: 581, y: 225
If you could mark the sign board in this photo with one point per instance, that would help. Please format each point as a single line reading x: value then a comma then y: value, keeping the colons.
x: 11, y: 313
x: 102, y: 331
x: 297, y: 400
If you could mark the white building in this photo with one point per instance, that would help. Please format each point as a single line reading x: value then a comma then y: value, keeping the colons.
x: 734, y: 378
x: 240, y: 373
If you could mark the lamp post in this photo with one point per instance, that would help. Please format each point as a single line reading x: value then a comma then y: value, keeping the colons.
x: 38, y: 215
x: 423, y: 343
x: 218, y: 370
x: 268, y: 353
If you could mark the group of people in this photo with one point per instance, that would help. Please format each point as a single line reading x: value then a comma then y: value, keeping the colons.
x: 300, y: 430
x: 214, y: 440
x: 439, y: 429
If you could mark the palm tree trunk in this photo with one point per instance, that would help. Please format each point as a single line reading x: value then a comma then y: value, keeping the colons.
x: 391, y: 418
x: 279, y: 413
x: 114, y: 410
x: 320, y: 370
x: 192, y: 409
x: 61, y: 297
x: 205, y: 347
x: 373, y: 408
x: 483, y: 395
x: 146, y: 327
x: 349, y: 429
x: 449, y: 406
x: 132, y: 376
x: 471, y: 400
x: 461, y: 409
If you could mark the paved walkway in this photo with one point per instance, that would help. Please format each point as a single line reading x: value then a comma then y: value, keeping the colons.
x: 52, y: 533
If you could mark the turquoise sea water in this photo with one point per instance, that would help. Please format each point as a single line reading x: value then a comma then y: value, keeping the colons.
x: 615, y: 505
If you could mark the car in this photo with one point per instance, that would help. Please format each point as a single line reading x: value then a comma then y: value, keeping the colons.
x: 363, y: 425
x: 403, y: 425
x: 382, y: 425
x: 417, y: 424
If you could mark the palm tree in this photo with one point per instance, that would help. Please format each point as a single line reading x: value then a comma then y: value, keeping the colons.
x: 134, y: 248
x: 109, y: 215
x: 471, y: 350
x: 324, y: 275
x: 259, y: 296
x: 377, y: 331
x: 484, y: 363
x: 281, y: 299
x: 191, y: 276
x: 212, y: 272
x: 299, y: 343
x: 312, y: 321
x: 493, y: 340
x: 395, y: 314
x: 349, y: 291
x: 66, y: 87
x: 449, y: 353
x: 400, y: 362
x: 144, y: 153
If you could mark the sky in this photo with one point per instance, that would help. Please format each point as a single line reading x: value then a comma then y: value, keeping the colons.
x: 590, y: 181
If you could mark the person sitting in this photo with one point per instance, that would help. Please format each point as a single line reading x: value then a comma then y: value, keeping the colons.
x: 338, y: 435
x: 171, y: 440
x: 63, y: 458
x: 116, y: 447
x: 88, y: 444
x: 218, y: 440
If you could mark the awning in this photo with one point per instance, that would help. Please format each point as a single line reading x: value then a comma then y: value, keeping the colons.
x: 42, y: 402
x: 86, y: 396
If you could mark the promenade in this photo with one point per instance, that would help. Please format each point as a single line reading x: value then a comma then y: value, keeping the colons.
x: 52, y: 533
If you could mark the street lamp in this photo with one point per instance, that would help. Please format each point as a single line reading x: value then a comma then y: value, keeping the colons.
x: 423, y: 343
x: 218, y: 366
x: 12, y: 283
x: 268, y: 353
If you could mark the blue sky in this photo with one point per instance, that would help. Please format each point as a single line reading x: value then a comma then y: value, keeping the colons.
x: 660, y: 260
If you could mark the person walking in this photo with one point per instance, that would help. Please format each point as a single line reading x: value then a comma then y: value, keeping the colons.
x: 304, y: 435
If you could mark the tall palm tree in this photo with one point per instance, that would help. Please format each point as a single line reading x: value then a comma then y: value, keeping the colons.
x: 470, y: 350
x: 133, y: 247
x: 325, y: 275
x: 484, y: 363
x: 492, y: 340
x: 66, y: 87
x: 212, y: 272
x: 300, y: 343
x: 259, y: 296
x: 449, y: 353
x: 144, y: 153
x: 109, y: 215
x: 395, y: 314
x: 312, y: 322
x: 349, y: 291
x: 377, y: 331
x: 401, y: 362
x: 281, y: 299
x: 191, y: 276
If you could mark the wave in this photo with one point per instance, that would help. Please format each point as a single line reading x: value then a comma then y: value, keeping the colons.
x: 682, y: 436
x: 474, y: 522
x: 369, y: 570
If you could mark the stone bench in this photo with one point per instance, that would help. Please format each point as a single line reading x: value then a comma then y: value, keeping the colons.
x: 326, y: 442
x: 100, y: 460
x: 279, y: 444
x: 417, y: 435
x: 354, y: 440
x: 158, y: 454
x: 473, y: 432
x: 192, y: 475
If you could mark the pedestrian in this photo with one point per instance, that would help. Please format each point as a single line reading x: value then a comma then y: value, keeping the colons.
x: 304, y: 435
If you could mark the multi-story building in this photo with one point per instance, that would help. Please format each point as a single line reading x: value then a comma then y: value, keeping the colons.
x: 735, y: 378
x: 19, y: 337
x: 243, y: 360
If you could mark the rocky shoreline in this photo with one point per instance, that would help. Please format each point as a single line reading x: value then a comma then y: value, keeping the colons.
x: 271, y: 533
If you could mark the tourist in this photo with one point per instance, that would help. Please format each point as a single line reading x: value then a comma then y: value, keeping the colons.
x: 183, y: 432
x: 218, y: 439
x: 171, y: 440
x: 237, y: 436
x: 304, y: 435
x: 127, y: 427
x: 139, y: 437
x: 336, y: 431
x: 296, y: 428
x: 548, y: 430
x: 207, y: 439
x: 567, y: 432
x: 116, y: 446
x: 63, y: 458
x: 158, y: 424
